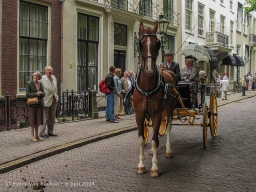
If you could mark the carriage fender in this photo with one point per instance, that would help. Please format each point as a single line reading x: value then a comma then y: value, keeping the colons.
x: 169, y: 76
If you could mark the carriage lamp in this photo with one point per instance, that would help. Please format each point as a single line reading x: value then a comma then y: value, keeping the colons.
x: 162, y: 29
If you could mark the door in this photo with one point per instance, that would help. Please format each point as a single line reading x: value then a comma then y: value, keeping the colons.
x: 119, y: 59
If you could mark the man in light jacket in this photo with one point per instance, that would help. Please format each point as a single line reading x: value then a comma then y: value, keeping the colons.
x: 50, y: 102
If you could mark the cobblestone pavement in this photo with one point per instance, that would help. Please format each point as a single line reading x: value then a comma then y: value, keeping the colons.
x: 16, y: 149
x: 228, y: 163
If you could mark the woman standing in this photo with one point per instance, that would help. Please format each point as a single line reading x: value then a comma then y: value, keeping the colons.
x: 35, y: 88
x: 118, y: 91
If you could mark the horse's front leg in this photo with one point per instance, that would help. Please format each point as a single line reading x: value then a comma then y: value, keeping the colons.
x: 155, y: 144
x: 141, y: 169
x: 168, y: 153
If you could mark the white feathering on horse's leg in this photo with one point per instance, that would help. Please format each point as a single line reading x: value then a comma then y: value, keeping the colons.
x: 168, y: 153
x: 141, y: 167
x: 154, y: 169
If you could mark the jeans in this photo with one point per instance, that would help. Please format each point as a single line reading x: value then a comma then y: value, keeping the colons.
x: 244, y: 88
x: 110, y: 106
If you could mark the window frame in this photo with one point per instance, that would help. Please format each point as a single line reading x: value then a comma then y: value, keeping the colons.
x: 201, y: 19
x: 188, y: 13
x: 33, y: 42
x: 86, y: 67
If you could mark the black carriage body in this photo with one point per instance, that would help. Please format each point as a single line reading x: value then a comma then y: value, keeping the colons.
x: 184, y: 91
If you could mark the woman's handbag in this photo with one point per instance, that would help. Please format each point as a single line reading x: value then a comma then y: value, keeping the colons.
x: 32, y: 100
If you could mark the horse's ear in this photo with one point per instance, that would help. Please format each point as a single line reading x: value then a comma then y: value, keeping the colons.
x: 155, y: 27
x: 158, y: 45
x: 142, y: 28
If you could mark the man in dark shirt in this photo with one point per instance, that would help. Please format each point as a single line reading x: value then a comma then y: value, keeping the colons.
x: 171, y: 65
x: 110, y: 96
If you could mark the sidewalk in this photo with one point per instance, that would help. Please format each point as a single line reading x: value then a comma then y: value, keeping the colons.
x: 17, y: 150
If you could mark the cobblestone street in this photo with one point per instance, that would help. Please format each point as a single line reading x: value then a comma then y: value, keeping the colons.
x: 228, y: 163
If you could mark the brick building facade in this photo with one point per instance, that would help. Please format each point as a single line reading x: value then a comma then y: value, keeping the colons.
x: 10, y: 56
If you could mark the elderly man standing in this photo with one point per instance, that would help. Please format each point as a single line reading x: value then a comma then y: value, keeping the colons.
x: 50, y: 102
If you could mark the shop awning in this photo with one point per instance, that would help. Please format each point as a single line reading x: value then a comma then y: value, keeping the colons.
x: 239, y: 61
x: 212, y: 55
x: 229, y: 60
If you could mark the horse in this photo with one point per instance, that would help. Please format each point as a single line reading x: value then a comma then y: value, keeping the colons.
x: 149, y: 98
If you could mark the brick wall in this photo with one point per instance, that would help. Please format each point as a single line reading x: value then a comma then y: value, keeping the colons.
x: 9, y: 47
x: 9, y: 43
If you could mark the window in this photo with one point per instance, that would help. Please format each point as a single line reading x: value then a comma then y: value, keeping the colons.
x: 33, y: 28
x: 120, y: 34
x: 238, y: 49
x: 212, y: 20
x: 222, y: 24
x: 200, y: 19
x: 168, y: 11
x: 120, y: 4
x: 87, y: 52
x: 231, y: 32
x: 231, y: 4
x: 221, y: 1
x: 146, y: 8
x: 239, y: 17
x: 169, y: 43
x: 188, y: 14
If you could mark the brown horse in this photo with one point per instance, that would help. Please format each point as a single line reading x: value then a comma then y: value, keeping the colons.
x: 148, y: 96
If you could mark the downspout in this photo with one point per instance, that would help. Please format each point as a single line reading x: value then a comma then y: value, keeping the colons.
x: 61, y: 49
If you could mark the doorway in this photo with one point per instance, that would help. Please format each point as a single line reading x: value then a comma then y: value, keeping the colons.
x: 119, y: 59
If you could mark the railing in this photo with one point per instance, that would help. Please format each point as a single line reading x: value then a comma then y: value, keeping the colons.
x: 252, y: 38
x: 144, y: 8
x: 171, y: 16
x: 217, y: 38
x: 72, y: 106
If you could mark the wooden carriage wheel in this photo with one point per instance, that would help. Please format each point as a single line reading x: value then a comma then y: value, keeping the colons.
x: 205, y: 124
x: 213, y: 115
x: 163, y: 125
x: 146, y: 130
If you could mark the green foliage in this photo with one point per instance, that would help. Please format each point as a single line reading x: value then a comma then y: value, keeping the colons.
x: 250, y: 5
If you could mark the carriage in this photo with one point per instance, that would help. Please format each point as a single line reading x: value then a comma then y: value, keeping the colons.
x: 186, y: 112
x: 158, y: 100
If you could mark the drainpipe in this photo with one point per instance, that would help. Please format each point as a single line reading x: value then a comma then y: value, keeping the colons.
x: 61, y: 49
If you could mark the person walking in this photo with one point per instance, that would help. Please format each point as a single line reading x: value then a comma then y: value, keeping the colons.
x: 217, y: 84
x: 244, y: 85
x: 110, y: 96
x: 250, y: 82
x: 118, y: 91
x: 50, y: 102
x: 34, y: 88
x: 224, y: 83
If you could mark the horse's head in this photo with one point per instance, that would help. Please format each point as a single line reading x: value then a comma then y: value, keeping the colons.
x: 149, y: 47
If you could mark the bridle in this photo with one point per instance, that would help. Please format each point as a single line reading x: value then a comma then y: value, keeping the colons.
x: 155, y: 70
x: 142, y: 66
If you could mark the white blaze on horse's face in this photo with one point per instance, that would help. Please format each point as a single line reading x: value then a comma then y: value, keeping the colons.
x: 149, y: 55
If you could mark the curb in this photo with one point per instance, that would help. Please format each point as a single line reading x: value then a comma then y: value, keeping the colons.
x: 6, y: 167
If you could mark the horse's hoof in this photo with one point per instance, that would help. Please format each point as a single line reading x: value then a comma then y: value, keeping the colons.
x: 154, y: 173
x: 168, y: 155
x: 151, y: 153
x: 141, y: 170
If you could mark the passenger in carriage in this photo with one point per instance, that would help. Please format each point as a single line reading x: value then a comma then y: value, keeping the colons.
x: 190, y: 73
